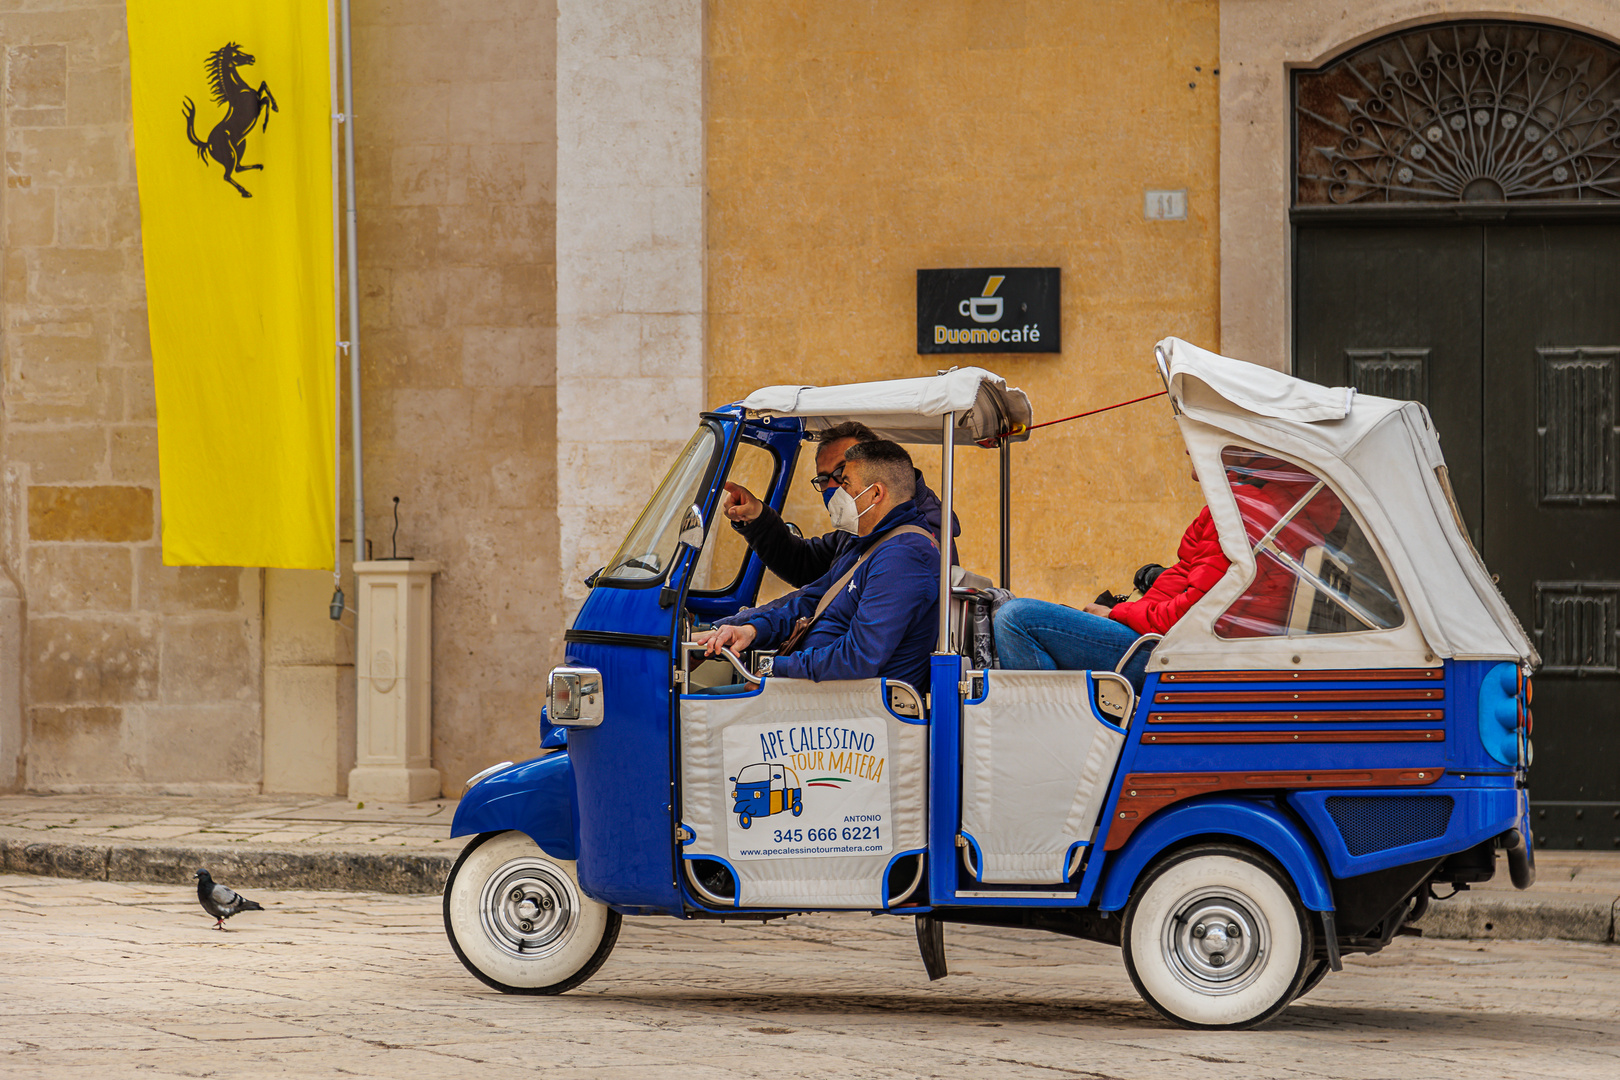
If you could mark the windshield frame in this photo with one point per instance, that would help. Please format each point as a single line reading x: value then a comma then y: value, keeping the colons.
x: 778, y: 464
x: 716, y: 458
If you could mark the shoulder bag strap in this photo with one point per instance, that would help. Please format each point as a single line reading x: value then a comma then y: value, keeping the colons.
x: 802, y: 626
x: 832, y: 592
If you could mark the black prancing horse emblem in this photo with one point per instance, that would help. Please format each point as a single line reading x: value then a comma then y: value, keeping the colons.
x: 244, y: 105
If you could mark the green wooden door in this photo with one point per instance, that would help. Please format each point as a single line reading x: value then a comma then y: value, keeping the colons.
x: 1510, y: 333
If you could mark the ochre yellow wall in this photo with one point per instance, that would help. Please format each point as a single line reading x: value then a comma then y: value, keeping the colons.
x: 851, y: 143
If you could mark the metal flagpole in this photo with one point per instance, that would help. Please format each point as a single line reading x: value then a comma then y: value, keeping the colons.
x: 337, y: 326
x: 351, y: 263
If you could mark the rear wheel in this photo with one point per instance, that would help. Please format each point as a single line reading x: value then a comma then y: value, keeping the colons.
x: 518, y: 921
x: 1215, y: 937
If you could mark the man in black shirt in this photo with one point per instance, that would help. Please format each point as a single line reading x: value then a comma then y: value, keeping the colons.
x: 800, y: 561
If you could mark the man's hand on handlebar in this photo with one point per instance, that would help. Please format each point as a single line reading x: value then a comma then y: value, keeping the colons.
x: 735, y: 638
x: 739, y: 504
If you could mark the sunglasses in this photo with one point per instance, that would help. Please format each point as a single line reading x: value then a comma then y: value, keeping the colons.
x: 822, y: 479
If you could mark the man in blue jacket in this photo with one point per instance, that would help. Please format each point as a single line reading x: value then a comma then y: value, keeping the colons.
x: 883, y: 620
x: 799, y: 561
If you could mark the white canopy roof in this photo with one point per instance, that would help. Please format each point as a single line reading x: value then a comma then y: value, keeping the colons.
x: 1383, y: 459
x: 906, y: 410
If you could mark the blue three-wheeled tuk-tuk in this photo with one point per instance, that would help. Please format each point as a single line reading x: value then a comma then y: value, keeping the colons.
x: 1336, y: 727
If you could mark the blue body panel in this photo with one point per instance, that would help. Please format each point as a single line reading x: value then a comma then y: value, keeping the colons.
x: 535, y: 797
x: 1478, y: 814
x: 944, y: 774
x: 1257, y: 822
x: 623, y: 768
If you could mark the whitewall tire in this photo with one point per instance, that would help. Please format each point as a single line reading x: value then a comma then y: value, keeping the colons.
x: 517, y: 919
x: 1215, y: 937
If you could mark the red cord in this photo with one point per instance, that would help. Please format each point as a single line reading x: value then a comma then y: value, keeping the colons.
x: 1105, y: 408
x: 1076, y: 416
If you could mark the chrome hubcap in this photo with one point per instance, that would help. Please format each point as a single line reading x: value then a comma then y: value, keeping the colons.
x: 1215, y: 942
x: 529, y: 908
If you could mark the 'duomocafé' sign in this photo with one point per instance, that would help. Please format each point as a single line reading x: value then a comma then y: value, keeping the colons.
x: 986, y: 310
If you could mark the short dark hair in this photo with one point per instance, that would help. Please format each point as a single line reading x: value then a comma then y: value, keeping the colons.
x: 886, y: 463
x: 849, y: 429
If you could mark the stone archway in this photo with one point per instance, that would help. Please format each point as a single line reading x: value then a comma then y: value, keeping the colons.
x: 1461, y: 112
x: 1262, y: 41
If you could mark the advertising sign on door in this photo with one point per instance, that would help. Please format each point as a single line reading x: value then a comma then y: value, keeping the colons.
x: 807, y: 791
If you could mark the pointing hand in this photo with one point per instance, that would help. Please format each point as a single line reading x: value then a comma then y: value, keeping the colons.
x: 739, y: 504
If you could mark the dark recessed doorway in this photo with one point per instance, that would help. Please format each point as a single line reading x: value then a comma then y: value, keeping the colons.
x: 1457, y: 242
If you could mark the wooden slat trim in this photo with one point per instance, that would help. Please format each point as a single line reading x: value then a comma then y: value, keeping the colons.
x: 1243, y: 697
x: 1338, y: 716
x: 1201, y: 738
x: 1143, y: 794
x: 1352, y: 675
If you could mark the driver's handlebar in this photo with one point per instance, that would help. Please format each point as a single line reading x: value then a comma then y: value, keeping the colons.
x: 742, y: 669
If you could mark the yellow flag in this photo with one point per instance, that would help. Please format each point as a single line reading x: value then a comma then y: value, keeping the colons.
x: 233, y: 155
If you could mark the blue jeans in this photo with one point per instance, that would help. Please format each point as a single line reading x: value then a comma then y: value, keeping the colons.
x: 1036, y: 635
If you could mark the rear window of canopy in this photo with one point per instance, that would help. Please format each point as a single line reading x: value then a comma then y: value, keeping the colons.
x: 1315, y: 570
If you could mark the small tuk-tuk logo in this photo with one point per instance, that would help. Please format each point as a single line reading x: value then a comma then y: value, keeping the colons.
x: 227, y: 142
x: 762, y: 789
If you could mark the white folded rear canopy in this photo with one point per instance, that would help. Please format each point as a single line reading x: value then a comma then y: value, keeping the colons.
x: 907, y: 410
x: 1383, y: 459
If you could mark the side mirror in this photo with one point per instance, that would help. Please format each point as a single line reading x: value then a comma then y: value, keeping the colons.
x: 793, y: 530
x: 692, y: 528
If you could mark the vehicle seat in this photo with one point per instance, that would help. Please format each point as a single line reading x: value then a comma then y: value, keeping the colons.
x: 963, y: 582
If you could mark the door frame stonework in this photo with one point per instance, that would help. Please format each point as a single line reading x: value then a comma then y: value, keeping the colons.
x: 1262, y: 41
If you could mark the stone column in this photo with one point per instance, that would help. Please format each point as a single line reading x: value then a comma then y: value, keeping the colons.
x: 393, y: 659
x: 630, y: 263
x: 11, y: 624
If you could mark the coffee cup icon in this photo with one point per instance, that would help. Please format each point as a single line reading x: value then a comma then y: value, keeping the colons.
x: 981, y: 309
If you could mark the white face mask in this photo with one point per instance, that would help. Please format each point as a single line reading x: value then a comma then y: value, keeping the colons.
x: 845, y: 518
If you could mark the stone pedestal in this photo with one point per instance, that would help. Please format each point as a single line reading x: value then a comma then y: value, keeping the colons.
x: 393, y: 669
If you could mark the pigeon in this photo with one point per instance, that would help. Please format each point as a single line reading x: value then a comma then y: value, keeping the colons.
x: 219, y: 901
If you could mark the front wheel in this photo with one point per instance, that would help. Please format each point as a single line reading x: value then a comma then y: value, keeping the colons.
x: 518, y: 921
x: 1215, y: 937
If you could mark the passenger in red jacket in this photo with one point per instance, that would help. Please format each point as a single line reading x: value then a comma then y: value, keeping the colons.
x: 1199, y: 565
x: 1038, y: 635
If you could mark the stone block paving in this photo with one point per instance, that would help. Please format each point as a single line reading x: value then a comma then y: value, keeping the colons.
x: 260, y: 820
x: 283, y: 840
x: 130, y: 979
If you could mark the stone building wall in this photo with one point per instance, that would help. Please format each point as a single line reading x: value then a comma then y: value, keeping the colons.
x: 134, y: 675
x: 851, y: 144
x: 457, y: 161
x: 137, y: 676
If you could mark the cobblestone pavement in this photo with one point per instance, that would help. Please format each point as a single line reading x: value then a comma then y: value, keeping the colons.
x: 114, y: 979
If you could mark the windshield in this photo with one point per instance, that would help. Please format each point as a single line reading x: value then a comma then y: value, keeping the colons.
x: 650, y: 547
